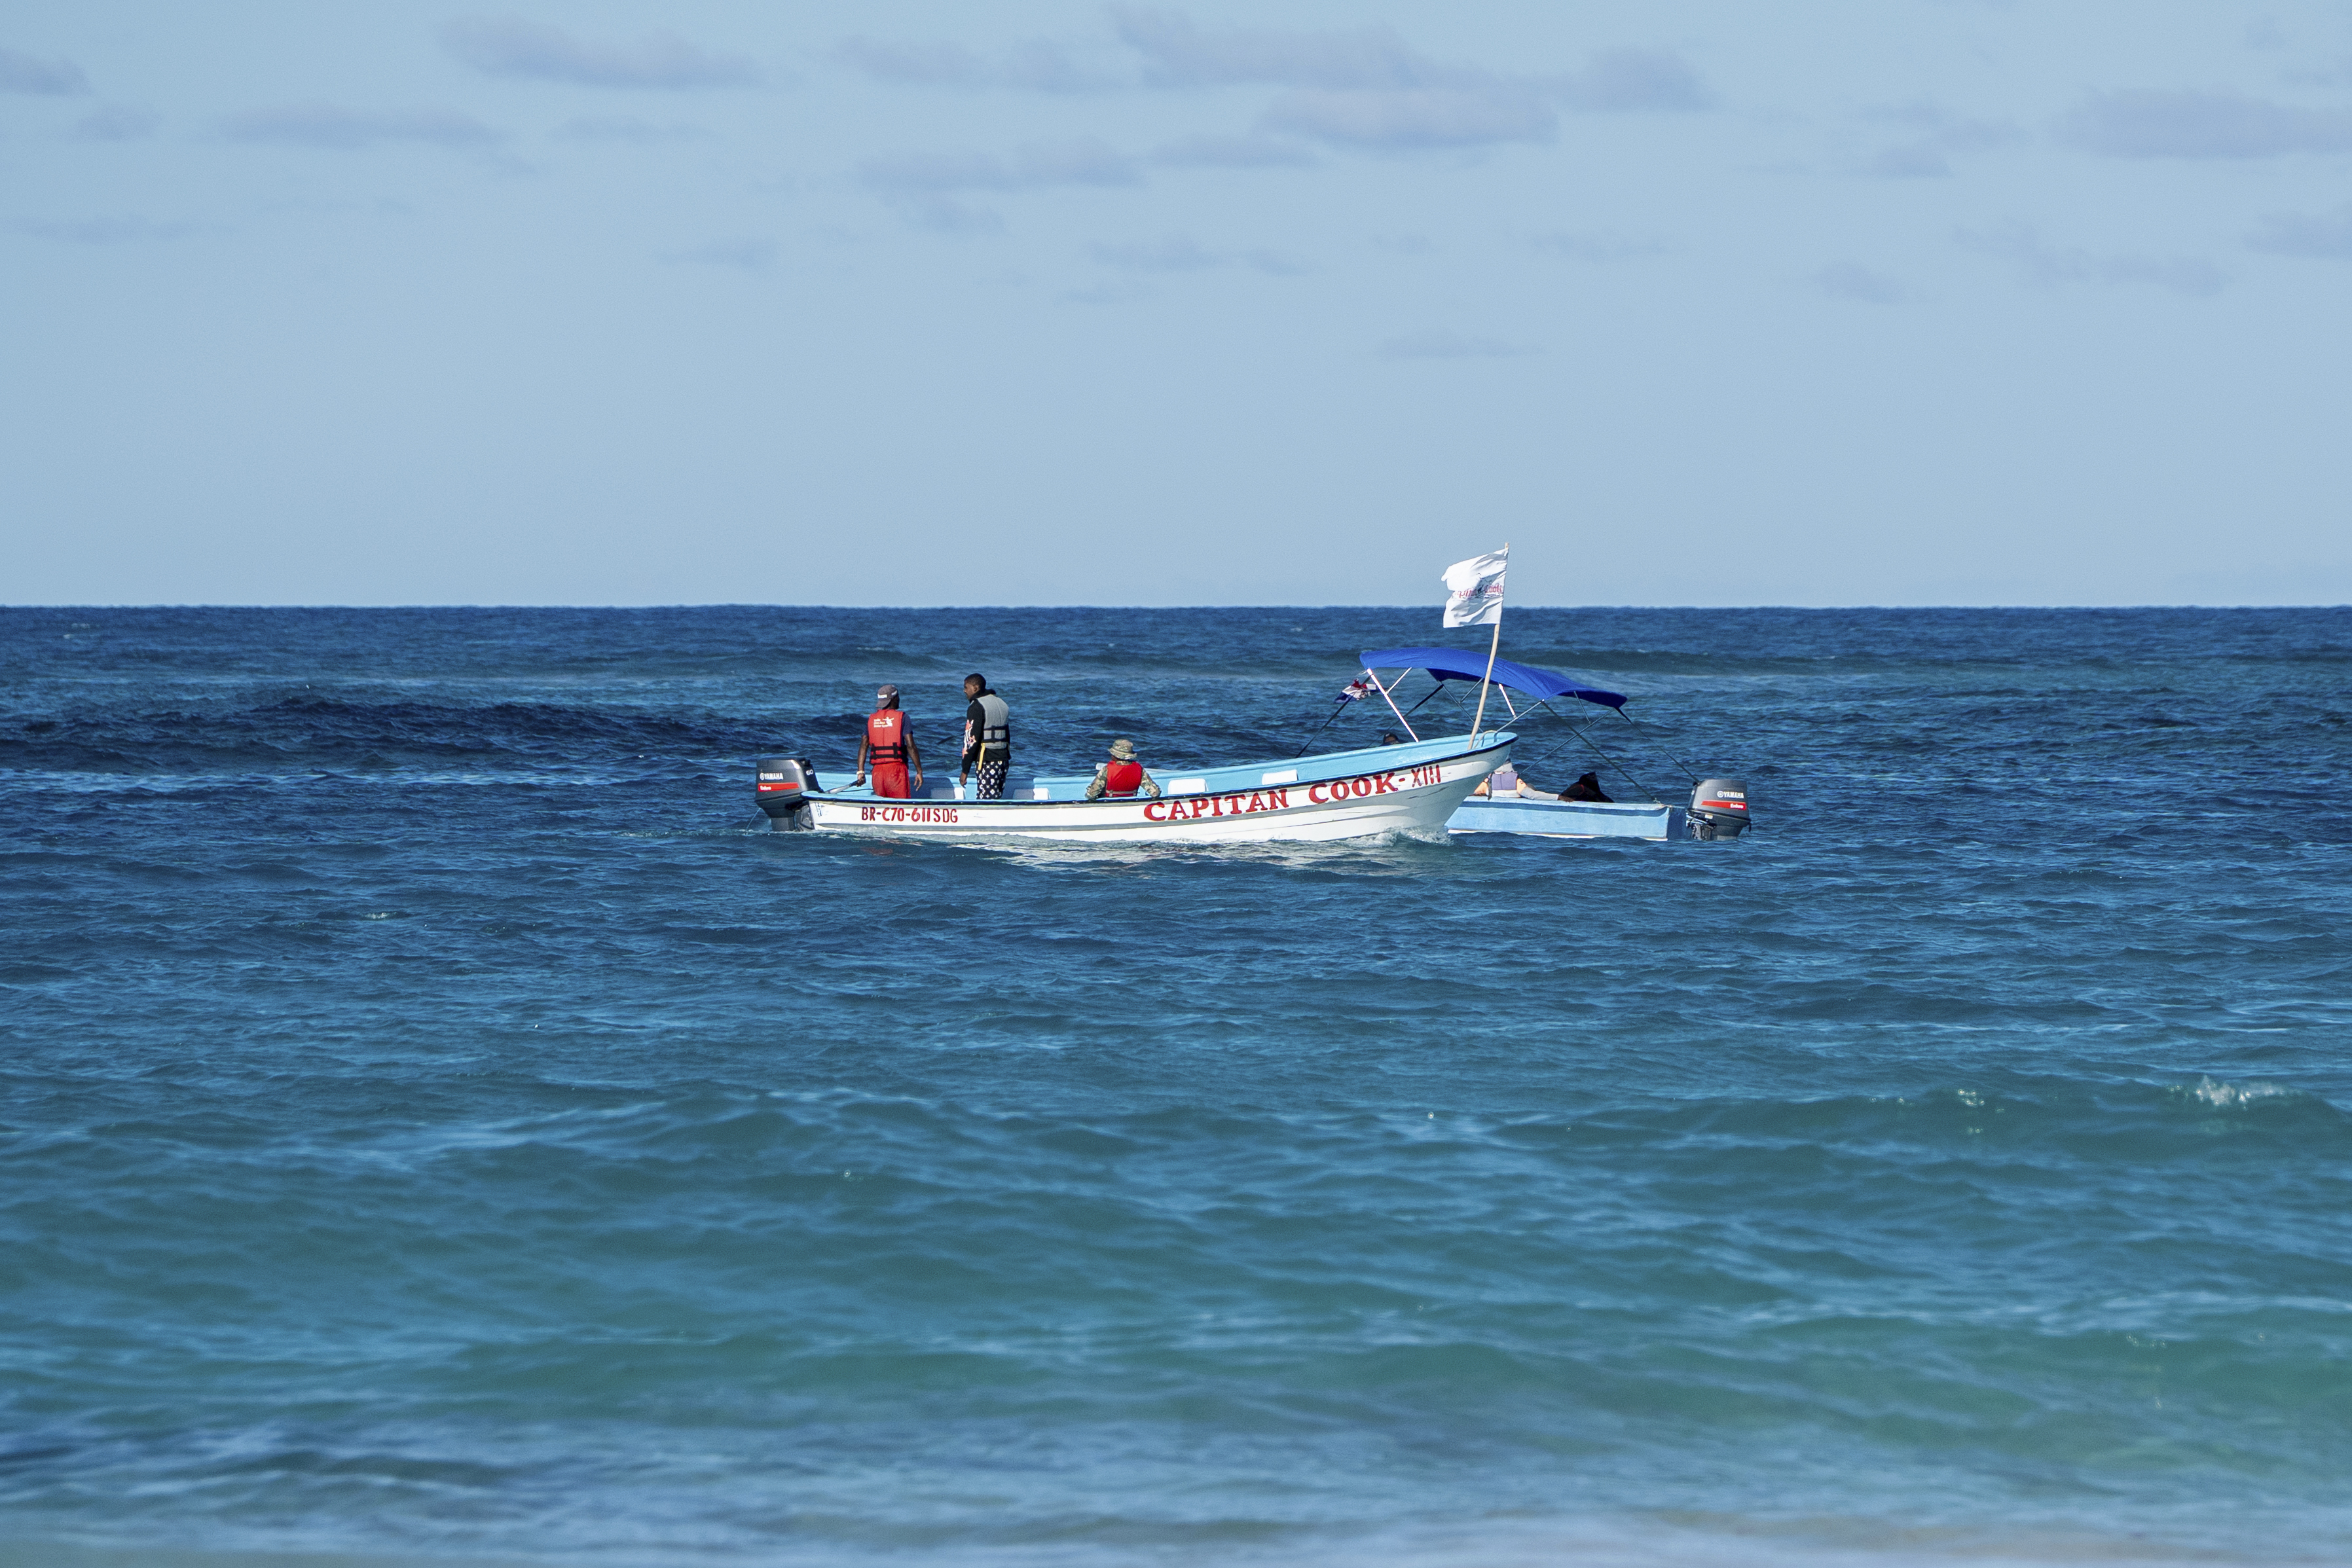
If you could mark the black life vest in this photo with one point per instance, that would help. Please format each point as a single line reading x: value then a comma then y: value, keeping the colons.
x: 995, y: 728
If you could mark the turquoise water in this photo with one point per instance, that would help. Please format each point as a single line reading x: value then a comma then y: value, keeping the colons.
x: 438, y: 1121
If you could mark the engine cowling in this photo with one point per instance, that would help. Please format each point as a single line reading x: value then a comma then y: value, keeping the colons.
x: 1718, y: 809
x: 783, y: 789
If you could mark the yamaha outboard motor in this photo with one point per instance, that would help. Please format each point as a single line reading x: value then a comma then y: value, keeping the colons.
x: 1718, y: 809
x: 784, y: 784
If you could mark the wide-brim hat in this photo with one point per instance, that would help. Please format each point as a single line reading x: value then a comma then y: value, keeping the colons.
x: 1123, y: 749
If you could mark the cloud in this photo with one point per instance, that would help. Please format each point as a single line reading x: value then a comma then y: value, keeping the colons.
x: 1363, y: 87
x: 113, y: 231
x: 747, y: 253
x: 21, y: 72
x: 919, y: 65
x: 2331, y: 74
x: 116, y: 123
x: 1257, y: 151
x: 1174, y: 254
x: 1594, y: 246
x: 1636, y: 81
x: 325, y: 126
x: 1177, y: 53
x: 1034, y: 67
x: 1081, y: 163
x: 1851, y: 280
x: 1910, y: 161
x: 1932, y: 136
x: 511, y: 46
x: 2044, y: 264
x: 1417, y: 118
x: 2148, y: 124
x: 1367, y: 88
x: 1177, y: 253
x: 927, y: 186
x: 1443, y: 345
x: 625, y: 127
x: 2325, y: 235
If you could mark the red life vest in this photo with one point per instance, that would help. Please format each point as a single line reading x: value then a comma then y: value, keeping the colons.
x: 886, y: 737
x: 1122, y: 778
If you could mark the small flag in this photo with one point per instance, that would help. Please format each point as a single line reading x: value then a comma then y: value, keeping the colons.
x: 1473, y: 588
x: 1357, y: 689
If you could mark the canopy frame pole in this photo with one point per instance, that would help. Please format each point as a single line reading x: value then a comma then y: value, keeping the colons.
x: 1392, y: 701
x: 1494, y: 646
x: 1670, y: 756
x: 1595, y: 747
x: 1337, y: 709
x: 1424, y: 701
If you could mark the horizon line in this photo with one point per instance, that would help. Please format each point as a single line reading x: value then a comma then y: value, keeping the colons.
x: 1040, y: 608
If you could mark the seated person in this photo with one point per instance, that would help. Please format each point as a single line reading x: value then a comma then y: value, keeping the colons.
x: 1506, y: 782
x: 1123, y: 776
x: 1586, y: 787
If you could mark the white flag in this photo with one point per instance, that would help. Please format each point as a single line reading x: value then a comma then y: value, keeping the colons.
x: 1474, y: 589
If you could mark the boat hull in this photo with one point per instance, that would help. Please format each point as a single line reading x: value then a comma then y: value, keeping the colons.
x: 1571, y: 819
x: 1356, y: 799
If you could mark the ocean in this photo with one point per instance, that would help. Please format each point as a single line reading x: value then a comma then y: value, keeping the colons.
x: 440, y: 1124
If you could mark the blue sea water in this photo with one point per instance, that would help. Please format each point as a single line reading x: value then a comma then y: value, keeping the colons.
x: 438, y: 1121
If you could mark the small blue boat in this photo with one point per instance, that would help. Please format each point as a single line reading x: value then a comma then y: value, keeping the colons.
x: 1718, y: 808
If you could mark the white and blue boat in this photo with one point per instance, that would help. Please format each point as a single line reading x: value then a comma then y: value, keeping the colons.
x: 1416, y: 786
x: 1718, y: 808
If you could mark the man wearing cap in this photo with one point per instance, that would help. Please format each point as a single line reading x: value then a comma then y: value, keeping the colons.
x: 987, y: 737
x: 891, y: 748
x: 1123, y: 776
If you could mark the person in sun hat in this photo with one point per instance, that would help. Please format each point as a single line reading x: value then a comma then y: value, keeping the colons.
x: 1122, y: 778
x: 893, y: 750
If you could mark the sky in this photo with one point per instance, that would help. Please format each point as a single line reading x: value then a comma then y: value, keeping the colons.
x: 1901, y: 302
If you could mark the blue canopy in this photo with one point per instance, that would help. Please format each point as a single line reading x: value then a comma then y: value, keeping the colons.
x: 1448, y: 665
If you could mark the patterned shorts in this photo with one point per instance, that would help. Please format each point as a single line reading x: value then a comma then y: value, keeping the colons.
x: 991, y: 781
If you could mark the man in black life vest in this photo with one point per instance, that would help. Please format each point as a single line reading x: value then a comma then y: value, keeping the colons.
x: 1123, y: 776
x: 987, y: 738
x: 891, y: 748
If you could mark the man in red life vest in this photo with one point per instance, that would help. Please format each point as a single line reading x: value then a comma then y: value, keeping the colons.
x: 1122, y: 778
x: 891, y: 748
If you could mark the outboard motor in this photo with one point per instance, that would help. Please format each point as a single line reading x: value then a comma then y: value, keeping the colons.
x: 784, y: 784
x: 1718, y: 809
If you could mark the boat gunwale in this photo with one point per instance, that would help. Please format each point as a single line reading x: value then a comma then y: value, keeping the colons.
x: 1405, y: 754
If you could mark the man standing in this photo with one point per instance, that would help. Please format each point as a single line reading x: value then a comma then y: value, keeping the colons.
x: 987, y: 737
x: 892, y: 748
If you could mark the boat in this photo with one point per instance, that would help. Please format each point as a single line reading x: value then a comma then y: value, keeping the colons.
x: 1404, y: 787
x: 1718, y: 808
